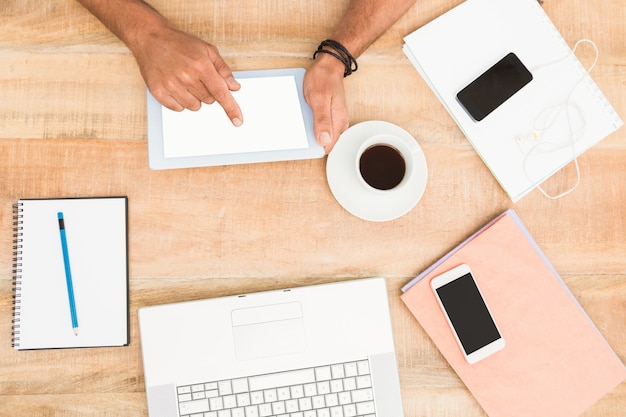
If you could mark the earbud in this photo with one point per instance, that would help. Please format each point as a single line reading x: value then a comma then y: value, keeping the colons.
x: 531, y: 138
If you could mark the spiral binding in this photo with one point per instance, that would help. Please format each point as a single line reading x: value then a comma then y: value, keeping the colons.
x: 17, y: 272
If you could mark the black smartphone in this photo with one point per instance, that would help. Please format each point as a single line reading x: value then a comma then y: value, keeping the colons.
x: 493, y: 87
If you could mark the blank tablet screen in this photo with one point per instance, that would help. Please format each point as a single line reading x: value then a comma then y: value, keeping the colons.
x: 273, y: 121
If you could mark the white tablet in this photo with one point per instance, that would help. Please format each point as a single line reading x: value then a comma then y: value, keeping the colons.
x: 278, y: 126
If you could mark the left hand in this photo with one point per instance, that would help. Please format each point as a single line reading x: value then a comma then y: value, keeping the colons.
x: 324, y: 92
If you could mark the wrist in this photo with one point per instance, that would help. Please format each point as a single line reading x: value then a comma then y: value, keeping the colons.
x: 330, y: 64
x: 144, y: 24
x: 338, y: 53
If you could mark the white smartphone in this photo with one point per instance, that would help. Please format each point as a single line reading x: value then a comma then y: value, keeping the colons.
x: 467, y: 313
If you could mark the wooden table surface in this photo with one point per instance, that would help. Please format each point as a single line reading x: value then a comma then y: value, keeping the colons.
x: 73, y: 123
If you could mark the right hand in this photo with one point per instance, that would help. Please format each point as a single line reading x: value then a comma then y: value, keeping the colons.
x: 182, y: 72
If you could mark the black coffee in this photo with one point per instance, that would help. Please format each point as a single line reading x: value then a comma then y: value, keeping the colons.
x: 382, y: 167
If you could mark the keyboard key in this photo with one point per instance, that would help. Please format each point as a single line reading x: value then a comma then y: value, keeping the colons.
x: 363, y: 367
x: 184, y: 397
x: 350, y: 369
x: 216, y: 403
x: 310, y: 413
x: 192, y: 407
x: 324, y: 412
x: 224, y: 413
x: 362, y: 395
x: 224, y: 388
x: 318, y: 402
x: 240, y: 385
x: 337, y: 371
x: 198, y: 395
x: 297, y: 391
x: 291, y: 406
x: 210, y: 386
x: 332, y: 400
x: 184, y: 390
x: 323, y: 387
x: 336, y: 385
x: 323, y: 373
x: 349, y: 384
x: 281, y: 379
x: 363, y: 381
x: 243, y: 399
x: 211, y: 393
x: 197, y: 388
x: 284, y: 393
x: 310, y: 390
x: 238, y: 412
x: 265, y: 410
x: 256, y: 397
x: 278, y: 407
x: 344, y: 398
x: 252, y: 411
x: 305, y: 404
x: 270, y: 395
x: 230, y: 401
x: 365, y: 408
x: 349, y: 410
x: 336, y: 411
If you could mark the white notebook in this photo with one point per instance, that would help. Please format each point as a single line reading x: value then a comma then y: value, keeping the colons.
x: 458, y: 46
x: 96, y: 233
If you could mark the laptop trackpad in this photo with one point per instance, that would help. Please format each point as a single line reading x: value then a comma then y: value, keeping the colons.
x: 271, y: 330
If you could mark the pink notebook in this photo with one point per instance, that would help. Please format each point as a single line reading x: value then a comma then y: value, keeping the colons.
x: 555, y: 362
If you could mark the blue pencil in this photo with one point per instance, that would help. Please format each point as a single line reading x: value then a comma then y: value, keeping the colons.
x: 68, y: 273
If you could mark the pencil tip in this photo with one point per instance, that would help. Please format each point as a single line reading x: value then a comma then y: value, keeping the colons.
x: 76, y: 332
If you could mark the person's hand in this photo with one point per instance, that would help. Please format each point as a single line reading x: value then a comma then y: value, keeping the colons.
x: 324, y: 91
x: 182, y: 72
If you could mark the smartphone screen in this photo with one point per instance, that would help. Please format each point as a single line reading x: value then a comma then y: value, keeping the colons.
x: 496, y: 85
x: 467, y: 313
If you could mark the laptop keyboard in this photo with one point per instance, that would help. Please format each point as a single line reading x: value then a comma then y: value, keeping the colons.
x: 337, y: 390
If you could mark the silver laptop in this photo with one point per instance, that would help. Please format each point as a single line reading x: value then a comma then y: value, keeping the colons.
x: 315, y: 351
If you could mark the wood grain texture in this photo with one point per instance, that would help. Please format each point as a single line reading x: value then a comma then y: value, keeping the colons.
x: 73, y: 123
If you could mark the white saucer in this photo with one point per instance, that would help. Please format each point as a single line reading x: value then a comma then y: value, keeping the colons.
x: 350, y: 190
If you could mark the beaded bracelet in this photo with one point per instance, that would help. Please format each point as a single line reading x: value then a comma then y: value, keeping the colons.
x: 340, y: 52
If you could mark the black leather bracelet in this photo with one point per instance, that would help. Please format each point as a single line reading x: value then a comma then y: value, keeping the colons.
x: 336, y: 49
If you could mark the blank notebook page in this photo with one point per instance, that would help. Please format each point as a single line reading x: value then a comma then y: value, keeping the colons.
x: 97, y: 245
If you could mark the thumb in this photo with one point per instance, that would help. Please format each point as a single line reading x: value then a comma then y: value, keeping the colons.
x: 322, y: 125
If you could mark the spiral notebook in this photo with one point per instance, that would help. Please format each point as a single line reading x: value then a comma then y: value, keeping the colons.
x: 70, y: 273
x: 556, y: 117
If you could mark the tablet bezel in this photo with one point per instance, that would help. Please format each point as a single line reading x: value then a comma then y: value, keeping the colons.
x: 156, y: 152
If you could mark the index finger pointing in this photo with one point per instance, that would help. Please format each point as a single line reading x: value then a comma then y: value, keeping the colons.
x: 225, y: 98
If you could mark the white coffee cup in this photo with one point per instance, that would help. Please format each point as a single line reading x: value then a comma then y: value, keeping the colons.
x: 385, y: 163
